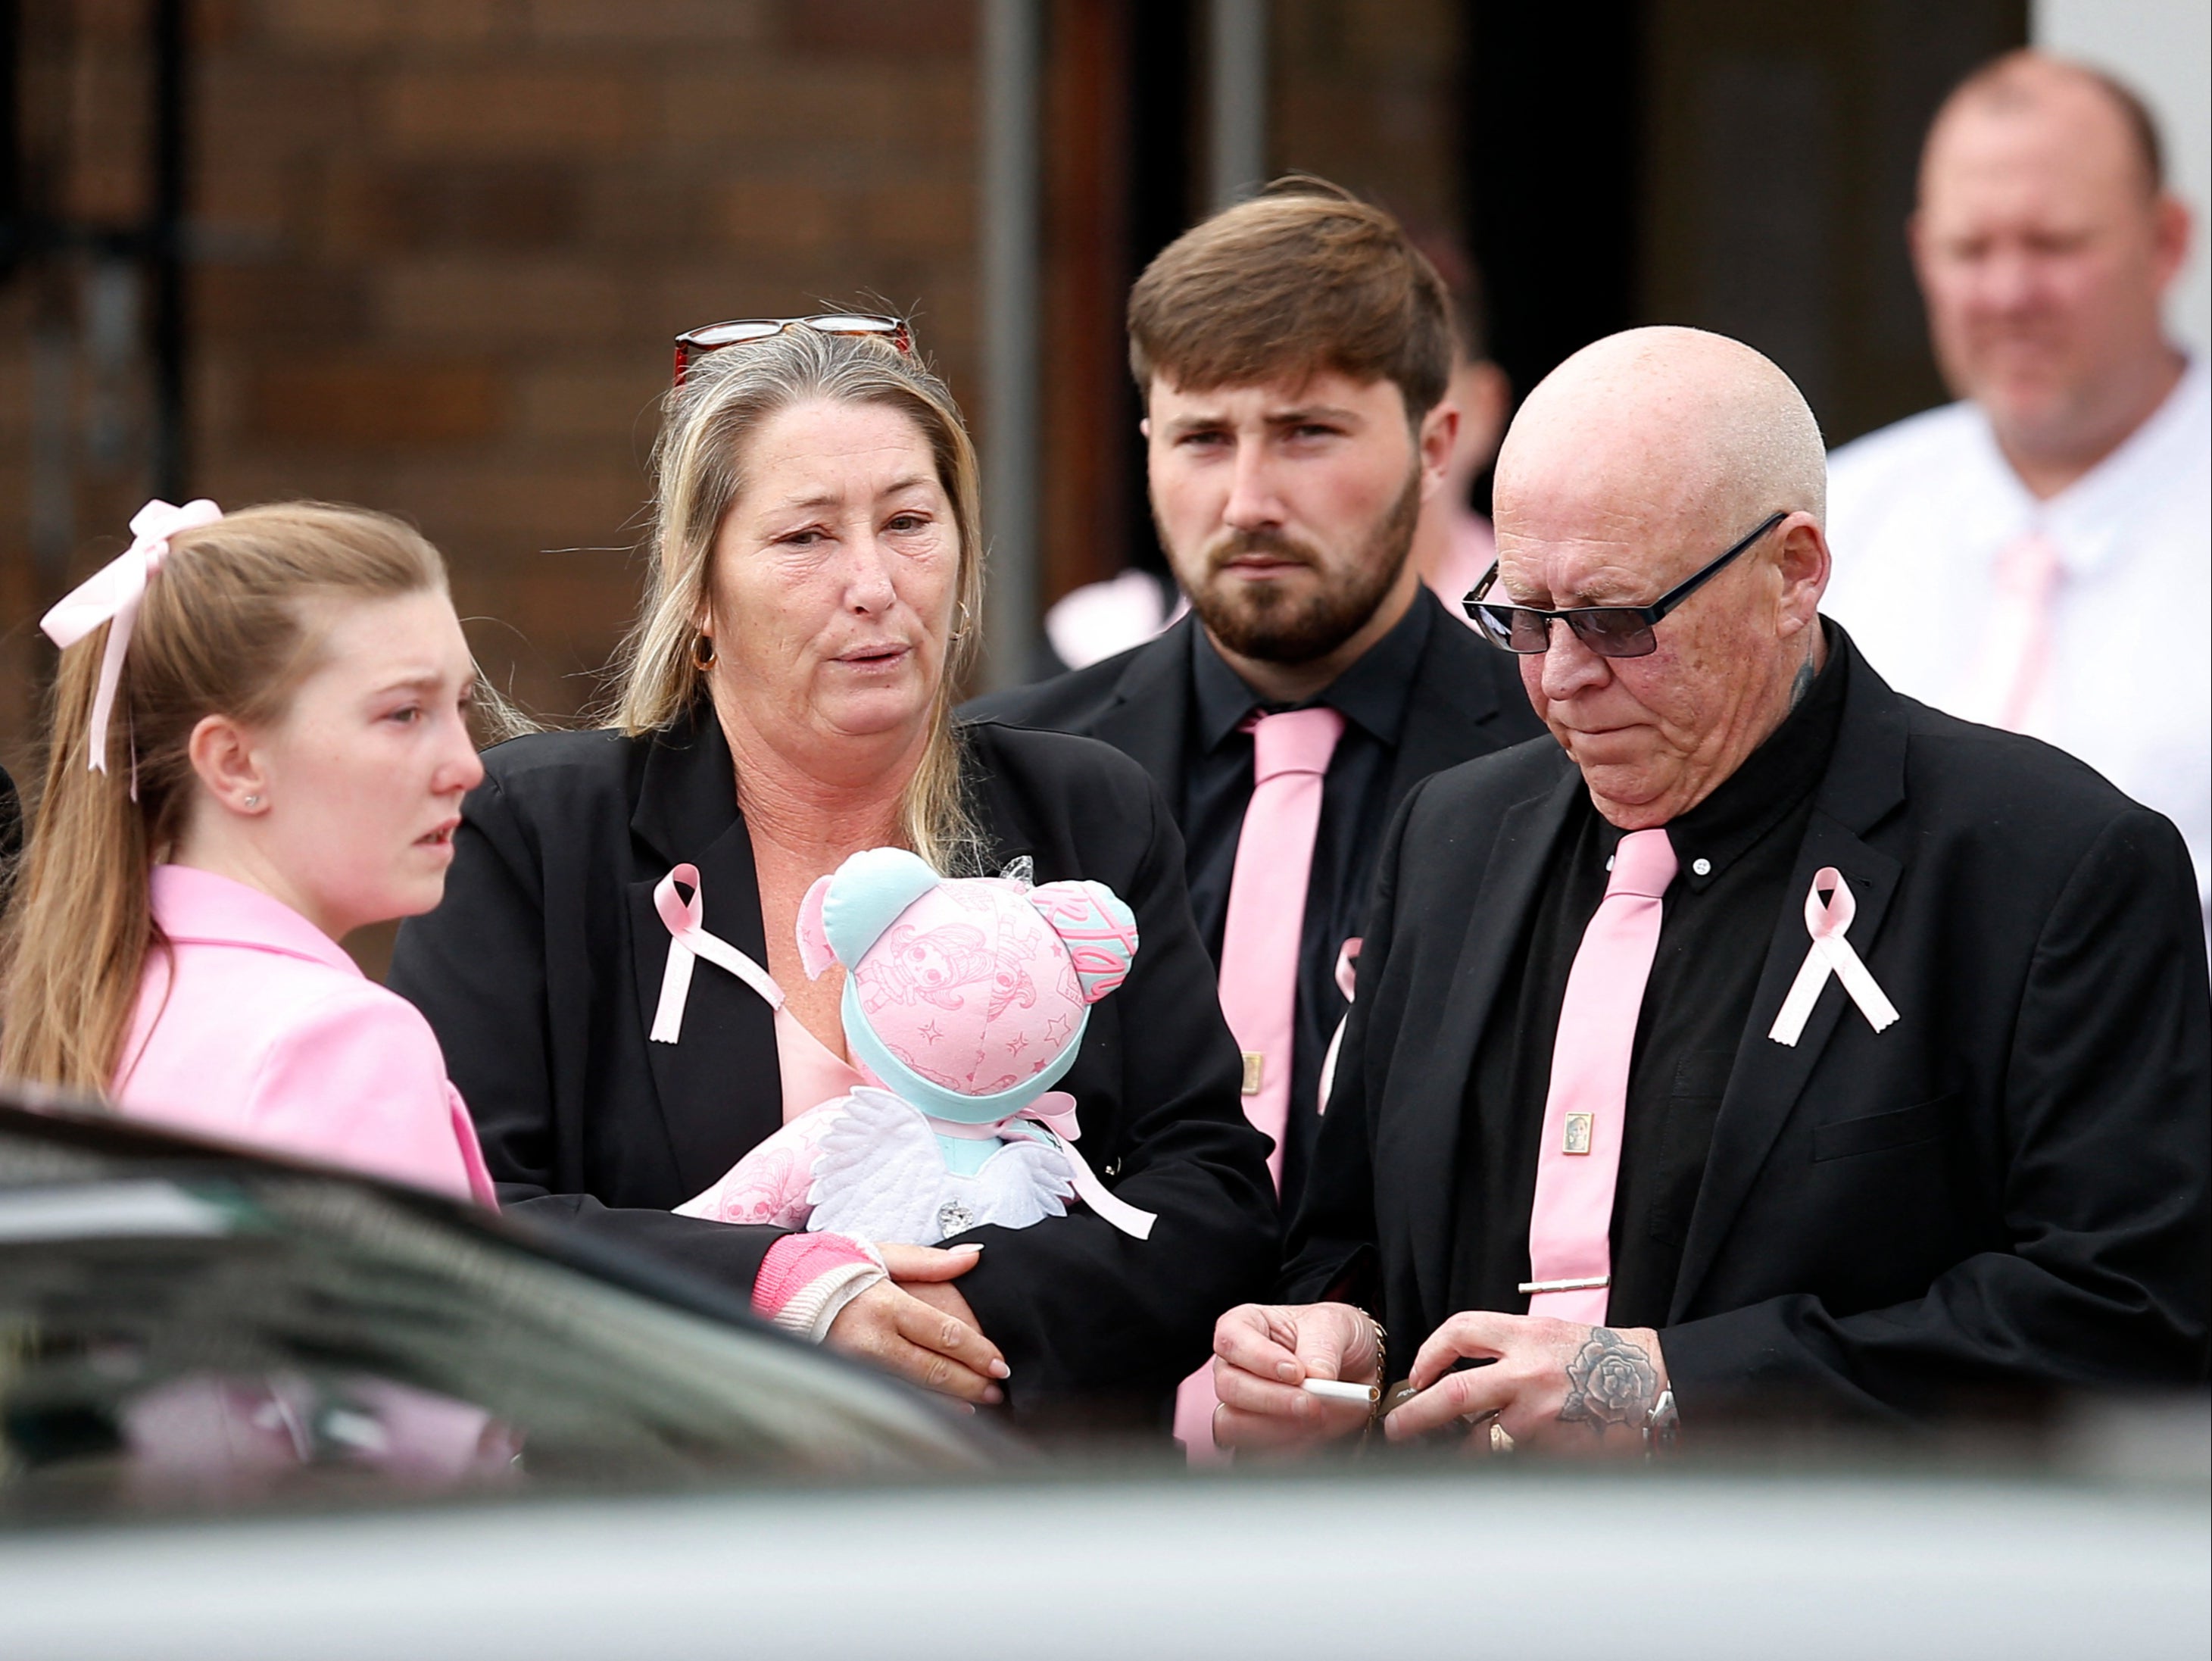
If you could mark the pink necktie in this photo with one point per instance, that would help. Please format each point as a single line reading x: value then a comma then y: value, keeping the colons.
x: 1260, y: 954
x: 2017, y: 647
x: 1268, y: 908
x: 1570, y: 1250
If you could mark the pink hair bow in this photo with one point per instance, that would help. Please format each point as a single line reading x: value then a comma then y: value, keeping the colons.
x: 112, y: 594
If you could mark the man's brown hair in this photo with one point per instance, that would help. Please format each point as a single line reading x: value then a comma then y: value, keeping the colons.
x: 1302, y: 278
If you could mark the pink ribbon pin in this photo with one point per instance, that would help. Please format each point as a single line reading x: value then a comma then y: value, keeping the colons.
x: 1830, y: 953
x: 112, y: 594
x: 688, y: 942
x: 1347, y: 979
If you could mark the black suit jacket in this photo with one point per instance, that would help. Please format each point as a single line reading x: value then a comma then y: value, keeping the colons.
x: 541, y: 969
x: 1465, y: 700
x: 2006, y: 1187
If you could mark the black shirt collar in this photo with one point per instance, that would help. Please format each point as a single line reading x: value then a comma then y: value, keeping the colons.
x: 1373, y: 691
x: 1773, y: 780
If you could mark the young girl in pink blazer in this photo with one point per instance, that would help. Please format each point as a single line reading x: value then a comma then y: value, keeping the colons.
x: 260, y: 744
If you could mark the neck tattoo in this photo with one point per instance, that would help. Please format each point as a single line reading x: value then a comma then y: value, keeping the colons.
x: 1802, y: 683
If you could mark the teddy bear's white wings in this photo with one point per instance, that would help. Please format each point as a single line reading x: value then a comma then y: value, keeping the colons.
x: 881, y: 1177
x: 878, y: 1173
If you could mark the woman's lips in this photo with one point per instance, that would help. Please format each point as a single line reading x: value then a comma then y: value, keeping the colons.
x: 441, y: 835
x: 873, y: 657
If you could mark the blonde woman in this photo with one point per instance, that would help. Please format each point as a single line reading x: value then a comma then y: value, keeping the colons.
x: 785, y: 702
x: 259, y: 744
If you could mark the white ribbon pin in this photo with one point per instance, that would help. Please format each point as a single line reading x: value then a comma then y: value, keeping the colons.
x: 1830, y: 953
x: 689, y: 941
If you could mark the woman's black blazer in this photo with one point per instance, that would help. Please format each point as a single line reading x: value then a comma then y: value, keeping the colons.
x: 541, y: 969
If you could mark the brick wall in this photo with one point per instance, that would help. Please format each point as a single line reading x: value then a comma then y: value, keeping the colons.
x: 1365, y: 92
x: 441, y: 246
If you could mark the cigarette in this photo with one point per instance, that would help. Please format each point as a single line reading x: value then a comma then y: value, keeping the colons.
x: 1336, y: 1390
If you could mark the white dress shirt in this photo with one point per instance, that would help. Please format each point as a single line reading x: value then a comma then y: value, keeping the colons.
x: 1918, y: 514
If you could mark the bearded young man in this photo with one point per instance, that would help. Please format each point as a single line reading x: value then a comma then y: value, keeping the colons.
x: 1293, y: 352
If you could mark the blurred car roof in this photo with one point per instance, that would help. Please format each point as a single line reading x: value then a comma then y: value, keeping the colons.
x: 187, y: 1326
x: 690, y: 1480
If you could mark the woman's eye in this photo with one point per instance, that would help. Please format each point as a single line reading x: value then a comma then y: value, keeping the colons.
x: 906, y: 523
x: 407, y: 715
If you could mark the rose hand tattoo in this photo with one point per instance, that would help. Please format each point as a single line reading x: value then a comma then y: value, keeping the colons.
x: 1609, y: 1382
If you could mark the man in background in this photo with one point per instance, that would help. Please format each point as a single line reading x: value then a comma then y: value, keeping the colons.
x: 1453, y: 544
x: 1294, y: 352
x: 2039, y: 556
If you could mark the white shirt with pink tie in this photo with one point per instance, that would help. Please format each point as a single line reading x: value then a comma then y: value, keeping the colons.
x: 2085, y: 620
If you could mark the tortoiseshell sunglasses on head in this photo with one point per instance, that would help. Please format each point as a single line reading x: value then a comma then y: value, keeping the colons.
x: 697, y: 342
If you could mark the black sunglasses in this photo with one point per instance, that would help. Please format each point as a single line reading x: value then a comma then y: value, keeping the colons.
x: 1611, y: 631
x: 697, y: 342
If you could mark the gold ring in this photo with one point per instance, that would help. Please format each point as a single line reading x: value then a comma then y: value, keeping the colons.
x: 1500, y: 1441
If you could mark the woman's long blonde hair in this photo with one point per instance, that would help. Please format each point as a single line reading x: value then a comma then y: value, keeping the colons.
x: 225, y: 629
x: 698, y: 466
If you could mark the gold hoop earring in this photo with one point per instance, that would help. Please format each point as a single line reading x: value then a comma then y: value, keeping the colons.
x: 702, y: 653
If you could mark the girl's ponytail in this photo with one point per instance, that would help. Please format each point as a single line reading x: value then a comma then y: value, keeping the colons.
x: 81, y: 924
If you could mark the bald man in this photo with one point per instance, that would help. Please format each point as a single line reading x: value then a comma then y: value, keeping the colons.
x: 1769, y: 1035
x: 2039, y: 554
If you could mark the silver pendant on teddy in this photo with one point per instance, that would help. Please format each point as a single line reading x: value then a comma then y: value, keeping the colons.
x: 953, y: 1218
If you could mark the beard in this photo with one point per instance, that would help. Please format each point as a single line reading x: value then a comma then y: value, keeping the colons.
x: 1259, y: 620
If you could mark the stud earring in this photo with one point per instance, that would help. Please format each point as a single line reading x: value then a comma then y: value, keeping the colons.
x: 253, y: 801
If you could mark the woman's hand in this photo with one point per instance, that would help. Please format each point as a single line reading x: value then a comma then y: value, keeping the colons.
x: 927, y: 1272
x: 908, y: 1336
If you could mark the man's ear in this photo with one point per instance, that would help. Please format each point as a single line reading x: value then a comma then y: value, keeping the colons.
x: 1484, y: 397
x: 1438, y: 438
x: 2171, y: 247
x: 222, y: 756
x: 1803, y: 562
x: 1916, y: 246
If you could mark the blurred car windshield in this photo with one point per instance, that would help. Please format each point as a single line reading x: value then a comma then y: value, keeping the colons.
x: 210, y: 1333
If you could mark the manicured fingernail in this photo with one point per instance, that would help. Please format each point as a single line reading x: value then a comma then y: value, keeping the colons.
x: 966, y: 1246
x: 993, y: 1394
x: 1000, y: 1369
x: 965, y: 1407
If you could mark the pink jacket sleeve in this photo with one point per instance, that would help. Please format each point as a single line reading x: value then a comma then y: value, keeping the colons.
x: 359, y: 1080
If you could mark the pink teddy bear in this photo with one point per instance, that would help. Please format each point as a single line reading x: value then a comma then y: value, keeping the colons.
x: 965, y: 1001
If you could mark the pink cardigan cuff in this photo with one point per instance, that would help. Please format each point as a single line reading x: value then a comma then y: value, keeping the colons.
x: 806, y: 1279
